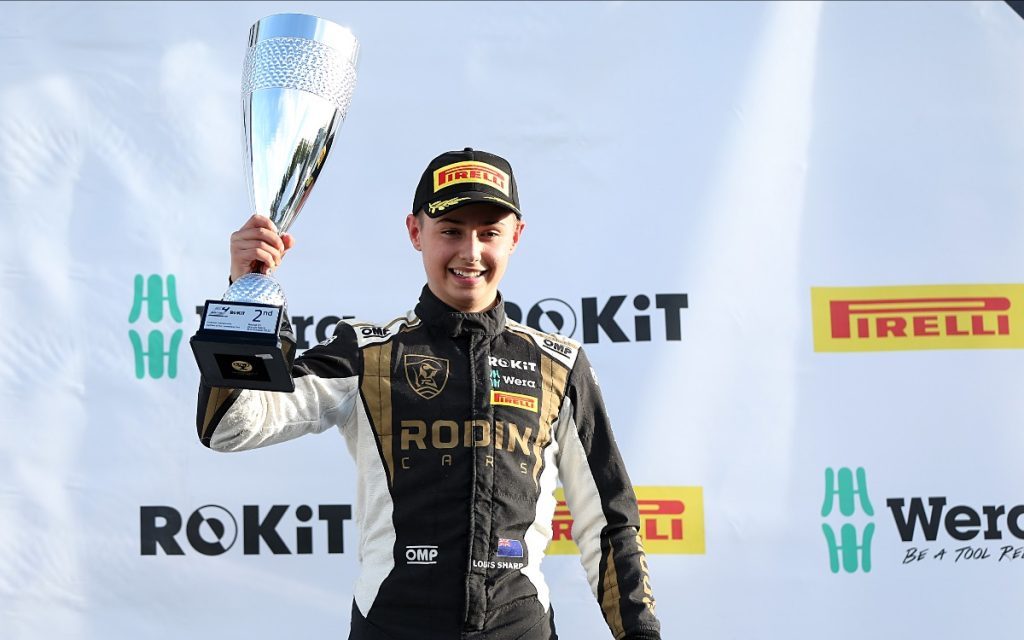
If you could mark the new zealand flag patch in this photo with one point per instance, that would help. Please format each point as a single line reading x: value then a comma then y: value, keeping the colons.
x: 509, y: 548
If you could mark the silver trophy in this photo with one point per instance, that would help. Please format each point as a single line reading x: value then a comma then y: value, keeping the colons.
x: 297, y: 83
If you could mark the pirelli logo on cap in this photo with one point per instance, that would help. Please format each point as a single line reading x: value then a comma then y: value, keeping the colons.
x: 925, y: 317
x: 471, y: 171
x: 671, y: 521
x: 514, y: 400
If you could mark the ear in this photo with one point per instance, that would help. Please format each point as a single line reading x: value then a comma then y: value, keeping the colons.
x: 412, y: 224
x: 516, y: 234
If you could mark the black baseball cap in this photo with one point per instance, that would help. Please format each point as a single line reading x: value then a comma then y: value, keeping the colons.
x: 457, y: 178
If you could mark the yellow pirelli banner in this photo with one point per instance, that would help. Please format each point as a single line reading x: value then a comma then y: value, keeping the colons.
x: 671, y: 521
x: 979, y: 316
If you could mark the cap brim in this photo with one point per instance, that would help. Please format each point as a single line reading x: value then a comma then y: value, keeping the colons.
x: 442, y: 207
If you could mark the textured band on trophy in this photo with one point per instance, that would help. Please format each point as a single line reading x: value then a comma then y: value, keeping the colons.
x: 297, y: 83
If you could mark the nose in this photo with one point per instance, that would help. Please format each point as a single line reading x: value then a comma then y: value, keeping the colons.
x: 471, y: 248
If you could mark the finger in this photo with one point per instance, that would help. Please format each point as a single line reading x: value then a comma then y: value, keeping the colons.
x: 262, y: 234
x: 249, y: 243
x: 265, y: 257
x: 257, y: 221
x: 288, y: 240
x: 247, y: 251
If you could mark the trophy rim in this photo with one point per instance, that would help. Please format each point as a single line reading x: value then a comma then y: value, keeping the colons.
x: 308, y: 27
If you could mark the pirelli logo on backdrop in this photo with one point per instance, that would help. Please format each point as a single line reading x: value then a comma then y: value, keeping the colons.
x: 984, y: 316
x: 514, y: 400
x: 671, y: 521
x: 471, y: 171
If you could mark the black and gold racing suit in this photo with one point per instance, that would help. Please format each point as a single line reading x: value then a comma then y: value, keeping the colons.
x: 460, y: 424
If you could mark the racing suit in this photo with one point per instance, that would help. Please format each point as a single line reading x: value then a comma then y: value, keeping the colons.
x: 459, y: 424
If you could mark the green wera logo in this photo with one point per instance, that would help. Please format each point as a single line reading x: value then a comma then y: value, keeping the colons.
x: 852, y: 550
x: 156, y: 354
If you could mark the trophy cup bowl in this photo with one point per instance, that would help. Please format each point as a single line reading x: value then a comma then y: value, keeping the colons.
x: 297, y: 83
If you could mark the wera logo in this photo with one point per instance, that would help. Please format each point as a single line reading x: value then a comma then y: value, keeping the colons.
x: 212, y: 530
x: 158, y: 352
x: 852, y: 548
x: 961, y: 522
x: 607, y: 317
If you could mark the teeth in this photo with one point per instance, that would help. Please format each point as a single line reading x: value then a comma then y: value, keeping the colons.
x: 467, y: 274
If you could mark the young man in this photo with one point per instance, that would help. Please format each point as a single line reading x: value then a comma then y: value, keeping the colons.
x: 456, y: 468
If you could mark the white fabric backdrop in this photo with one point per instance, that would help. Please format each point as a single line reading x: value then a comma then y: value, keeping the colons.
x: 740, y: 154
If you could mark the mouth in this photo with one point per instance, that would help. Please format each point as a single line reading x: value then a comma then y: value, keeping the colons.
x: 469, y: 275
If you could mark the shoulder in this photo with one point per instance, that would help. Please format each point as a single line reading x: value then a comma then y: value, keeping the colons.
x: 371, y: 333
x: 561, y: 349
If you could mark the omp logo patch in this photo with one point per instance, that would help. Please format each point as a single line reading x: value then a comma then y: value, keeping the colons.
x: 514, y: 400
x: 912, y: 318
x: 471, y: 171
x: 671, y: 521
x: 421, y: 554
x: 426, y: 375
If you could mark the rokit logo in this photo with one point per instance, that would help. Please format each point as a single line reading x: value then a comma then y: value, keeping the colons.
x: 606, y: 319
x: 212, y: 530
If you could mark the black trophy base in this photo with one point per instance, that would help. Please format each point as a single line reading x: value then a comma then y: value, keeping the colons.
x: 242, y: 359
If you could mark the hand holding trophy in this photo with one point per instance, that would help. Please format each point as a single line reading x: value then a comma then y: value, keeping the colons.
x: 297, y: 83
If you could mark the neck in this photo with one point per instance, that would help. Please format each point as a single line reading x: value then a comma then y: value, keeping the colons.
x: 466, y: 308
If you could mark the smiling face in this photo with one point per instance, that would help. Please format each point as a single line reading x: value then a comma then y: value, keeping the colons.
x: 465, y: 253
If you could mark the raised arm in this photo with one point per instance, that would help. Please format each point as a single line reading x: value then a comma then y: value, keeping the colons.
x: 326, y: 378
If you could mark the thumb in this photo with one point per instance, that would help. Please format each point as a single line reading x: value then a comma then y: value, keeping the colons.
x: 288, y: 240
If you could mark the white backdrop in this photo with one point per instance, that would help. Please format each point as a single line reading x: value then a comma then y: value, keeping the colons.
x: 738, y: 154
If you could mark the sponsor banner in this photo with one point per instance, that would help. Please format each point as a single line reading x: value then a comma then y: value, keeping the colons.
x: 706, y: 370
x: 983, y: 316
x: 671, y: 521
